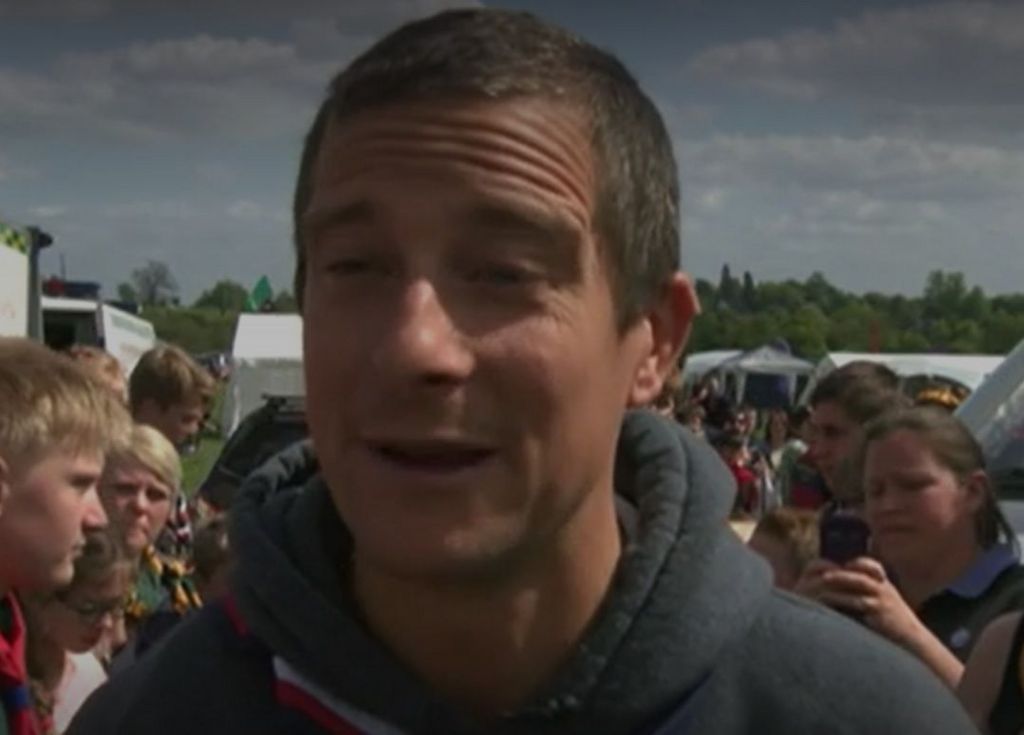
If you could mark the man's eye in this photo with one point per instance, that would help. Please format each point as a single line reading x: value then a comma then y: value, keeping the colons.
x: 349, y: 266
x: 501, y: 275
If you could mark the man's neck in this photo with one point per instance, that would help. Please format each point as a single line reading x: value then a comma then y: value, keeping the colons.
x: 487, y: 647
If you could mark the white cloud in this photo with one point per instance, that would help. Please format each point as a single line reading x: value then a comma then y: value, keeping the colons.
x: 48, y: 211
x: 960, y: 59
x: 900, y: 168
x: 241, y: 88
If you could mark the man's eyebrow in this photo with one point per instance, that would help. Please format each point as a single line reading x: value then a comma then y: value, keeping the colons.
x: 320, y: 217
x: 529, y: 220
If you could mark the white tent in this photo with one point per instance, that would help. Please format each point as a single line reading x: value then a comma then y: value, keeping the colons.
x: 995, y: 412
x: 266, y: 360
x: 967, y: 370
x: 698, y: 363
x: 765, y: 360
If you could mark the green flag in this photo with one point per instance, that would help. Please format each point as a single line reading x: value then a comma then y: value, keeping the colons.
x: 260, y: 295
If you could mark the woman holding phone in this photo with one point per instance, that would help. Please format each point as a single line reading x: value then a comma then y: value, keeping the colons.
x: 944, y: 561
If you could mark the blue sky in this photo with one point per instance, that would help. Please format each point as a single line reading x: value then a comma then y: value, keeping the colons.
x: 872, y: 141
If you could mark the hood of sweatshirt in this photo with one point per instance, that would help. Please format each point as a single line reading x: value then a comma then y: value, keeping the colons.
x: 685, y: 588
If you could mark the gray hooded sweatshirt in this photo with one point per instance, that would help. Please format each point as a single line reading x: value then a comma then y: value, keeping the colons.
x: 691, y: 638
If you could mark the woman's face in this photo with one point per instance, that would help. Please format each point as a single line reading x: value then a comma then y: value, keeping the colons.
x: 137, y: 502
x: 78, y: 620
x: 916, y: 506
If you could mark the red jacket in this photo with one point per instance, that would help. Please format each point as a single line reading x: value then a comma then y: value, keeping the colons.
x: 14, y: 692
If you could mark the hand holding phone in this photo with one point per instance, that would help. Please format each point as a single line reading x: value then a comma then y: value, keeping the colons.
x: 843, y: 538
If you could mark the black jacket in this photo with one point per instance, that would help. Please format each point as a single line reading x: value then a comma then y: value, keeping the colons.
x: 691, y: 639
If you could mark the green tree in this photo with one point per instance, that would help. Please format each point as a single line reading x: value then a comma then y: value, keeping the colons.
x: 285, y: 303
x: 154, y: 284
x: 225, y: 296
x: 748, y: 296
x: 729, y: 289
x: 126, y: 292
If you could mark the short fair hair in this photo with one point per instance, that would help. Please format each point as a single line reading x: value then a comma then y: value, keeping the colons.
x: 149, y: 448
x: 796, y: 530
x: 48, y: 401
x: 168, y: 376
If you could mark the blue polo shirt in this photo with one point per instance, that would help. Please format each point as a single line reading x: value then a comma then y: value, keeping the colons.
x: 991, y: 586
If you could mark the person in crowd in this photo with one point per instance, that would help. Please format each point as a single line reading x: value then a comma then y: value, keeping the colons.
x: 732, y: 448
x: 944, y: 560
x: 103, y: 366
x: 841, y: 404
x: 171, y: 392
x: 139, y: 487
x: 692, y: 417
x: 787, y: 539
x: 776, y: 435
x: 211, y: 558
x: 992, y: 686
x: 56, y: 425
x: 487, y: 239
x: 795, y: 447
x: 65, y: 627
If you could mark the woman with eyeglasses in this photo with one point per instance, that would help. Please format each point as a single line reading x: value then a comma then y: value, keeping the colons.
x: 139, y: 487
x: 63, y: 630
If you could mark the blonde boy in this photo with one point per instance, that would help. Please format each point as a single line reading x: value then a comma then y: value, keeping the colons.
x: 57, y: 424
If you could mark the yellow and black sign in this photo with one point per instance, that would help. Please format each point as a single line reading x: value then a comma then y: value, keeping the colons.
x: 14, y: 237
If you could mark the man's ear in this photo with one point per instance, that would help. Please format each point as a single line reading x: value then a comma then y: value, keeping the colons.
x: 669, y: 320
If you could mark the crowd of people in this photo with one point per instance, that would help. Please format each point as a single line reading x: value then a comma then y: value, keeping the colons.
x: 97, y: 549
x: 504, y: 520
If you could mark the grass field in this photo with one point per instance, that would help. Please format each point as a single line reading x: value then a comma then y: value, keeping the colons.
x: 195, y: 466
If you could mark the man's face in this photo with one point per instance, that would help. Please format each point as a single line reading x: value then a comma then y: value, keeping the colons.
x: 833, y: 439
x: 47, y: 505
x: 178, y: 422
x: 465, y: 376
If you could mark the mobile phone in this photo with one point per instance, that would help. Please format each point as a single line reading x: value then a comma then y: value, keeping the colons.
x: 843, y: 538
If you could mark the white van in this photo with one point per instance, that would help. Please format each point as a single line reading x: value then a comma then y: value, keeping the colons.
x: 79, y: 321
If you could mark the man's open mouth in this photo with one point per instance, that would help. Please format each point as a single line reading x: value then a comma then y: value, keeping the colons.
x: 432, y: 457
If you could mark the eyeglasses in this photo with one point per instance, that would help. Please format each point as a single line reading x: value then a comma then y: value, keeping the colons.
x: 93, y: 612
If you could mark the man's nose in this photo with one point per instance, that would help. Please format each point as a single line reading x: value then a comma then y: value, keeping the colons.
x: 427, y: 343
x: 93, y: 515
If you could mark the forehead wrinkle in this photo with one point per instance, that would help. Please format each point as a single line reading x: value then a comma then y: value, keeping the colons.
x: 556, y: 166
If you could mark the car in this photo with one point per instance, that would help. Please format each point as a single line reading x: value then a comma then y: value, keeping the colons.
x: 278, y: 423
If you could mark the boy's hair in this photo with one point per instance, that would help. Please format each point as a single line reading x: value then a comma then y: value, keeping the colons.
x: 211, y: 549
x: 99, y: 362
x: 102, y: 555
x: 863, y: 390
x: 151, y: 449
x: 48, y: 401
x: 169, y: 376
x: 796, y: 529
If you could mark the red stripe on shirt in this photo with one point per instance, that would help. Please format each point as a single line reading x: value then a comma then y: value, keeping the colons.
x: 292, y: 696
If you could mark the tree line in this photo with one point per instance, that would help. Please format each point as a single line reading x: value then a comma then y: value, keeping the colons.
x: 816, y: 317
x: 813, y: 315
